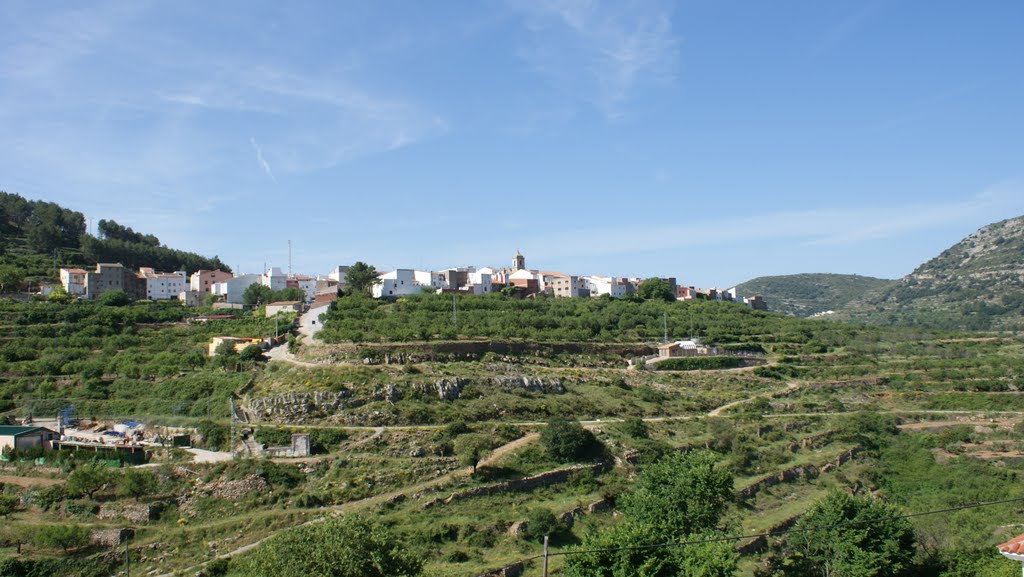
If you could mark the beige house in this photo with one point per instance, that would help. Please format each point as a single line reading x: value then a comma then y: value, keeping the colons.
x: 239, y: 343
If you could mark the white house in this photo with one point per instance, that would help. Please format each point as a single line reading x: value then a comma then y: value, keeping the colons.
x: 434, y: 280
x: 479, y: 283
x: 275, y: 279
x: 232, y: 289
x: 306, y: 284
x: 400, y: 282
x: 604, y: 285
x: 163, y: 285
x: 340, y: 275
x: 73, y: 280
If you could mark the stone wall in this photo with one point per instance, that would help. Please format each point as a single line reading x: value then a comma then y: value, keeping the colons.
x: 526, y: 483
x: 134, y: 512
x: 295, y: 407
x: 794, y: 473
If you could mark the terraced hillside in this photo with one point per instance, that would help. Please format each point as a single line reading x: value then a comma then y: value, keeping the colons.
x: 439, y: 444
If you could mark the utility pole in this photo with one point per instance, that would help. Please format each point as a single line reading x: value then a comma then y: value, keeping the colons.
x: 664, y: 327
x: 289, y: 259
x: 545, y: 556
x: 231, y: 400
x: 127, y: 558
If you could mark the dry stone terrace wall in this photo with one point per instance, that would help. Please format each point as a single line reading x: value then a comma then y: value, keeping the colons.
x: 795, y: 473
x: 449, y: 351
x: 526, y: 483
x: 298, y: 407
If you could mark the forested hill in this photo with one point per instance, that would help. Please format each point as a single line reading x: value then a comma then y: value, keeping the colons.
x: 37, y: 235
x: 976, y: 284
x: 803, y: 295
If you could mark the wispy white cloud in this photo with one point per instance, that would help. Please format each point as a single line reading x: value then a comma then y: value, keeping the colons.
x: 601, y: 51
x: 822, y: 226
x: 263, y: 162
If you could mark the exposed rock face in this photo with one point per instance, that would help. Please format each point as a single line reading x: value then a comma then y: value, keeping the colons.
x: 444, y: 389
x: 290, y: 405
x: 518, y: 528
x: 532, y: 384
x: 388, y: 392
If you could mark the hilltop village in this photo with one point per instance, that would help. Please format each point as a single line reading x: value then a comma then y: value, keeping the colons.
x: 223, y: 289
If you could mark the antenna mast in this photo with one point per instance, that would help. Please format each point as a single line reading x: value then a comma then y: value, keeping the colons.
x: 289, y: 258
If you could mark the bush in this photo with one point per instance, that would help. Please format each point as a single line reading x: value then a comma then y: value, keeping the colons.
x: 350, y: 546
x: 541, y: 522
x: 634, y: 427
x: 114, y: 299
x: 566, y: 440
x: 215, y: 436
x: 62, y: 537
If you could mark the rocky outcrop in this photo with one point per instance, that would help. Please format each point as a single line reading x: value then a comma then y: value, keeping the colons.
x: 518, y: 528
x: 526, y: 483
x: 530, y: 384
x: 291, y: 406
x: 443, y: 389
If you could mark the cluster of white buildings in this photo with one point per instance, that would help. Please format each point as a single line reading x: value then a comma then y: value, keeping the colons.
x: 190, y: 289
x: 470, y: 280
x: 229, y: 288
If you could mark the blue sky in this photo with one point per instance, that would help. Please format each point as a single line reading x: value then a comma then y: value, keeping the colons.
x: 714, y: 141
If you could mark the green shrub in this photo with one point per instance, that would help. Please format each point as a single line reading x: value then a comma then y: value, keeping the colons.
x: 566, y: 440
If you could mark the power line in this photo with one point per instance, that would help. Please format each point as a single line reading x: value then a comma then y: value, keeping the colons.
x: 779, y: 532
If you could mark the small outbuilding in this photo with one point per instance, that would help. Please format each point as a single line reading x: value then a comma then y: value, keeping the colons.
x: 25, y: 437
x: 283, y: 307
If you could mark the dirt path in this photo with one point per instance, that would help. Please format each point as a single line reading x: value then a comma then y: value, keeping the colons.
x: 29, y: 481
x: 280, y: 353
x: 718, y: 411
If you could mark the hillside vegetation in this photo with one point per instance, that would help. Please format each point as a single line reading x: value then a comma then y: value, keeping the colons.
x: 458, y: 449
x: 36, y: 237
x: 977, y: 284
x: 802, y: 295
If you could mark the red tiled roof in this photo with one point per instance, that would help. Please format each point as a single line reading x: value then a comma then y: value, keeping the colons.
x: 284, y: 303
x: 1014, y: 546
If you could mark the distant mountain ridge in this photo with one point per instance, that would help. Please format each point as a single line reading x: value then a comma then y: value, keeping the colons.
x: 803, y: 295
x: 976, y: 284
